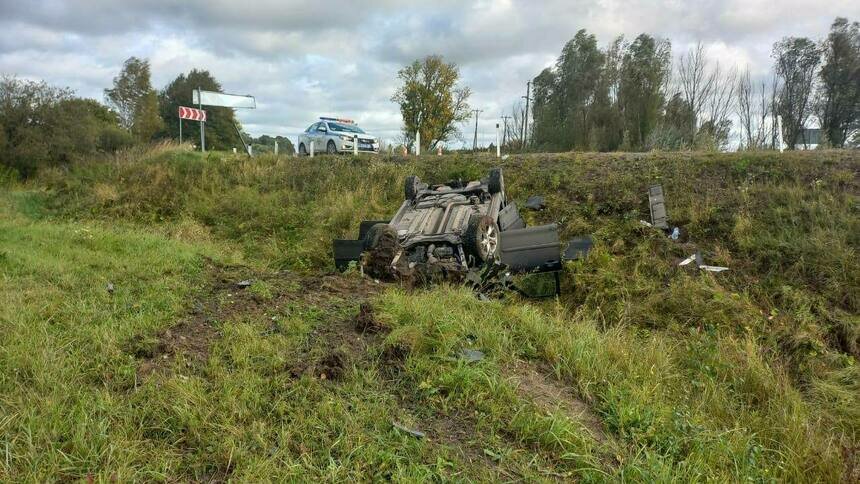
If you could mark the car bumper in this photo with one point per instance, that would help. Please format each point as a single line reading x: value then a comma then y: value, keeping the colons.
x: 346, y: 147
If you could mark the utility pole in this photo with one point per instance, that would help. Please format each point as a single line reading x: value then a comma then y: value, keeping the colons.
x: 526, y: 114
x: 475, y: 142
x: 505, y: 133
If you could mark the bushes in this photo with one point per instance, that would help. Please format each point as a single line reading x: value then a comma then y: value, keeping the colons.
x: 43, y: 126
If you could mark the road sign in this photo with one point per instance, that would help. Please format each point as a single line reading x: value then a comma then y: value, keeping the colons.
x: 192, y: 114
x: 210, y: 98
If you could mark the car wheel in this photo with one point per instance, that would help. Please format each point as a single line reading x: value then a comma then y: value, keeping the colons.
x: 411, y: 187
x: 330, y: 148
x: 379, y: 234
x: 496, y: 182
x: 302, y: 150
x: 482, y: 238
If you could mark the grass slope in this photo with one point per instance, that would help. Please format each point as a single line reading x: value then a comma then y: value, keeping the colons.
x: 641, y: 371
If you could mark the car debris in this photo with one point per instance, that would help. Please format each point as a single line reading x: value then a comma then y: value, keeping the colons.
x: 471, y: 356
x: 659, y: 216
x: 700, y: 263
x: 455, y: 231
x: 415, y: 433
x: 535, y: 202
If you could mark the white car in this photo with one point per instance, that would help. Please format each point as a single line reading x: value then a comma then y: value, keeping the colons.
x: 333, y: 135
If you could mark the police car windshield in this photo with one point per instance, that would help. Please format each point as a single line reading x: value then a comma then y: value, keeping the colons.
x: 349, y: 128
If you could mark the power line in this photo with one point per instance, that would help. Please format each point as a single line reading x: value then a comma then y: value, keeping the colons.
x: 505, y: 133
x: 526, y: 114
x: 475, y: 142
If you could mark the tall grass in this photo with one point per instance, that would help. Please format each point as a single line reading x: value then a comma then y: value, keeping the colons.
x: 747, y: 374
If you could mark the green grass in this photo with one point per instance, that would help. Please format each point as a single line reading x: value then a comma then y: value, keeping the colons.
x: 749, y: 374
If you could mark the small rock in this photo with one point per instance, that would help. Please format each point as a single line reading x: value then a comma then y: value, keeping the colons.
x: 245, y: 283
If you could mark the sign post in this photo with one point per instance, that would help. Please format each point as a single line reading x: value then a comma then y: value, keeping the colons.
x: 212, y: 98
x: 194, y: 115
x: 202, y: 131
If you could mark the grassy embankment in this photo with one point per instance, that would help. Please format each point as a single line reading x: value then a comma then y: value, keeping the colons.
x: 642, y: 370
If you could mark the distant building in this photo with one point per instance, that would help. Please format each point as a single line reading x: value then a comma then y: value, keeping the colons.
x: 809, y: 139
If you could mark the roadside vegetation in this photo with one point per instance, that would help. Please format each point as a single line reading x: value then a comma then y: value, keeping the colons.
x: 134, y: 348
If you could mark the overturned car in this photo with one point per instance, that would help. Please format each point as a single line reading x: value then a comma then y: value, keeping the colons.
x: 446, y: 231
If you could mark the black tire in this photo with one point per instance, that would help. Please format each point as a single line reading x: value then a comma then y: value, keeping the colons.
x: 302, y: 150
x: 411, y: 187
x: 376, y: 233
x: 330, y: 147
x: 482, y: 238
x: 496, y: 182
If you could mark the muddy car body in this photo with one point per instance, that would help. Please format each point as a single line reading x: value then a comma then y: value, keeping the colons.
x: 452, y: 228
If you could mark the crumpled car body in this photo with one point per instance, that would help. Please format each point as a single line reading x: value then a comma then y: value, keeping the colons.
x: 446, y: 230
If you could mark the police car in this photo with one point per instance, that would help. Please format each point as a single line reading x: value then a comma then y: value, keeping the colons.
x: 335, y: 135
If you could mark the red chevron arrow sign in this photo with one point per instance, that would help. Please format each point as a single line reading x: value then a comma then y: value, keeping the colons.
x: 192, y: 114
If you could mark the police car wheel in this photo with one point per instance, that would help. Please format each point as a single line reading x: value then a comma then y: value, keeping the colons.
x: 302, y: 150
x: 331, y: 148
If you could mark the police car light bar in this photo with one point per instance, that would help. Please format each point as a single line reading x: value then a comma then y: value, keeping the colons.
x: 338, y: 120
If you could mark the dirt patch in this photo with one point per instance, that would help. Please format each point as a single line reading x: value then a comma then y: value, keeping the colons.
x: 334, y: 346
x: 550, y: 394
x: 366, y: 322
x: 229, y: 293
x: 331, y: 366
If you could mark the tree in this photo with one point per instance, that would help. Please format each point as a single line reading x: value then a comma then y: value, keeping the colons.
x: 674, y: 130
x: 696, y: 83
x: 41, y: 125
x: 134, y: 99
x: 574, y: 100
x: 266, y: 144
x: 753, y: 110
x: 579, y: 70
x: 546, y: 111
x: 839, y: 92
x: 644, y: 71
x: 797, y: 59
x: 221, y: 123
x: 430, y: 101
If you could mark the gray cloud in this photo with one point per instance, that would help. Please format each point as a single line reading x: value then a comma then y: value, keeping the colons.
x: 303, y: 59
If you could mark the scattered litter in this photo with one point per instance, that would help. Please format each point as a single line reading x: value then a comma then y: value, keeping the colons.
x: 470, y: 355
x: 676, y: 234
x: 110, y: 288
x: 535, y: 202
x: 687, y: 260
x: 505, y: 157
x: 245, y: 283
x: 415, y: 433
x: 700, y: 263
x: 647, y: 224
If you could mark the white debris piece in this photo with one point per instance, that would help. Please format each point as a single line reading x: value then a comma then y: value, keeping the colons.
x: 697, y: 258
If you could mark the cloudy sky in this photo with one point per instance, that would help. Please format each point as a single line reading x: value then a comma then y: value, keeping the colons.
x: 304, y: 59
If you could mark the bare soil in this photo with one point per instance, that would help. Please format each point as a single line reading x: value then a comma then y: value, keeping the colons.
x: 534, y: 383
x: 226, y: 294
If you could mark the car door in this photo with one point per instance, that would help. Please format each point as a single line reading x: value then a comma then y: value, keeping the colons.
x: 321, y: 136
x: 307, y: 136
